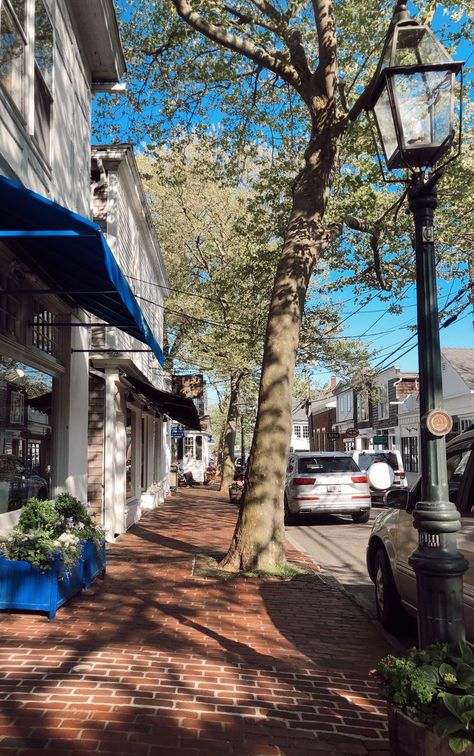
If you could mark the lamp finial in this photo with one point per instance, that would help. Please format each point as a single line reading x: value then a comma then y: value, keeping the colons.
x: 401, y: 13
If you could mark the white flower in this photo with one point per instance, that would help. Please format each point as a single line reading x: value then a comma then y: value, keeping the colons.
x: 68, y: 539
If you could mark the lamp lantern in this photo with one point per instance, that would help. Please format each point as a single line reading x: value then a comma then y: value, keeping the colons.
x: 412, y: 95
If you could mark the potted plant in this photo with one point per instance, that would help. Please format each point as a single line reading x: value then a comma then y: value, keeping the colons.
x: 236, y: 490
x: 75, y: 515
x: 53, y: 551
x: 430, y: 694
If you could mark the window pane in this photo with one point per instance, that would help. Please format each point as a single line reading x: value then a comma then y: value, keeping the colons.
x: 12, y: 59
x: 457, y: 462
x: 43, y: 103
x: 130, y: 453
x: 25, y: 433
x: 19, y: 8
x: 44, y: 44
x: 326, y: 465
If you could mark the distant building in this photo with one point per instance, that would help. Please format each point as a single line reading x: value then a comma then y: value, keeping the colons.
x: 299, y: 427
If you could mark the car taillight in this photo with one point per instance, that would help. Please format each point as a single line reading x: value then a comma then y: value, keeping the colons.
x: 304, y: 481
x: 402, y: 475
x: 360, y: 479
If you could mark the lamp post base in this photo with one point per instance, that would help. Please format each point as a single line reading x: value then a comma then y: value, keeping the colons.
x: 439, y: 570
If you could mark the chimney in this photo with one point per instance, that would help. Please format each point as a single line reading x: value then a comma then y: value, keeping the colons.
x: 333, y: 382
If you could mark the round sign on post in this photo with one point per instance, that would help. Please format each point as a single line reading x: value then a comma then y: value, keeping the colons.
x: 351, y: 433
x: 438, y: 422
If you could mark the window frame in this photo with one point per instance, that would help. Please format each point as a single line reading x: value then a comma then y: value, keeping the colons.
x: 383, y: 408
x: 35, y: 87
x: 22, y: 107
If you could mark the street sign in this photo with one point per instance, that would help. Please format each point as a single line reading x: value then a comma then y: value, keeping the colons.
x: 177, y: 433
x: 332, y: 435
x: 351, y: 433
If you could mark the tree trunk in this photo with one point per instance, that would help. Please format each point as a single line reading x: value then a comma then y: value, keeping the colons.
x: 230, y: 430
x: 258, y: 541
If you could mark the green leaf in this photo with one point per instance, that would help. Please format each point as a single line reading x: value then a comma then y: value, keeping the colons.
x: 459, y: 744
x: 461, y: 707
x: 446, y: 726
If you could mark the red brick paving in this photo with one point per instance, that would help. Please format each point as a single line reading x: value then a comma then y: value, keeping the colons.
x: 153, y: 661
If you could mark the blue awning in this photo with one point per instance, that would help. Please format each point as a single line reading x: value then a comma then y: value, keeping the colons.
x: 73, y: 252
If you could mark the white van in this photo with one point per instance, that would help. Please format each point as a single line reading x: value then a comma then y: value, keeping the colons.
x: 364, y: 458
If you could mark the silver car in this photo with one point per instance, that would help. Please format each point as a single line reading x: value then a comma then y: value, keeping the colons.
x: 393, y: 539
x: 325, y: 483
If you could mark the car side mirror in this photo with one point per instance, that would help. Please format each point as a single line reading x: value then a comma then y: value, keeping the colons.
x: 396, y: 498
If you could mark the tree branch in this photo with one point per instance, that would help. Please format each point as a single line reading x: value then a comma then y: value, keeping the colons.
x: 237, y: 44
x: 326, y: 72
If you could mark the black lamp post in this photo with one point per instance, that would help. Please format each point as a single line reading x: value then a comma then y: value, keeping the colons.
x: 412, y: 100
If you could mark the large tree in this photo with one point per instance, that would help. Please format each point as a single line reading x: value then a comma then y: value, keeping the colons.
x: 271, y: 71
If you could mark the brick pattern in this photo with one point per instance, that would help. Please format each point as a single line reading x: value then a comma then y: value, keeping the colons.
x: 154, y: 660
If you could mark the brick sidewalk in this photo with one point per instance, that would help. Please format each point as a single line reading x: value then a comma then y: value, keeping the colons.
x: 153, y: 660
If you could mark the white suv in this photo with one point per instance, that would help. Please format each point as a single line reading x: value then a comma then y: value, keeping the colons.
x: 325, y: 483
x: 364, y: 458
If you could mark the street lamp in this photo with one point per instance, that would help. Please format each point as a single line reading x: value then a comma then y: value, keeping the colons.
x: 412, y: 101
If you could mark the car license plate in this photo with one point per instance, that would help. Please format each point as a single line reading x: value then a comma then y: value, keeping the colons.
x: 334, y: 489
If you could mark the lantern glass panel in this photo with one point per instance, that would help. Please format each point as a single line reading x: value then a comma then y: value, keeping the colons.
x: 416, y: 45
x: 385, y: 125
x: 425, y: 106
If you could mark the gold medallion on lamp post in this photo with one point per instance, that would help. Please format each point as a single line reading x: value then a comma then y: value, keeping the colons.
x: 438, y: 422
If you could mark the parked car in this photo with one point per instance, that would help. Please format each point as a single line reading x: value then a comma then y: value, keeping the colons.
x: 325, y: 483
x: 18, y: 484
x: 393, y: 539
x: 365, y: 458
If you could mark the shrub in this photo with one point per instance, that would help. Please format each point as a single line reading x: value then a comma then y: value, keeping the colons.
x: 47, y: 530
x: 37, y: 515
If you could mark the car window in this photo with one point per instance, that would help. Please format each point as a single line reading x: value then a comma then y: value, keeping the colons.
x: 326, y: 465
x: 365, y: 460
x: 457, y: 460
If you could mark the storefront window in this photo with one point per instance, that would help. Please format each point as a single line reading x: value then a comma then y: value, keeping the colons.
x: 25, y: 433
x: 130, y: 453
x: 410, y: 453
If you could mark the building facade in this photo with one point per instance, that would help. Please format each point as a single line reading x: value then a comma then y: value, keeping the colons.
x: 81, y: 303
x: 51, y: 63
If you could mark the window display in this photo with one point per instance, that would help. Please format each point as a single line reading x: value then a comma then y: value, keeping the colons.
x: 25, y: 433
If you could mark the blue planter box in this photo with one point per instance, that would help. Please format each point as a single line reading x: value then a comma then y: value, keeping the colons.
x: 26, y: 588
x: 94, y: 561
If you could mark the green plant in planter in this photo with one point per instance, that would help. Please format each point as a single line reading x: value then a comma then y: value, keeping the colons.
x: 38, y: 515
x: 75, y: 515
x: 47, y: 530
x: 434, y: 686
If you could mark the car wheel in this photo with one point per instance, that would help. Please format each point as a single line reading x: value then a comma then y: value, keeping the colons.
x: 387, y: 599
x: 361, y: 516
x: 290, y: 517
x: 42, y: 494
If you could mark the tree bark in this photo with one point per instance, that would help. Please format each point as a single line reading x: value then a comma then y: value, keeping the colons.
x: 258, y: 541
x: 230, y: 431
